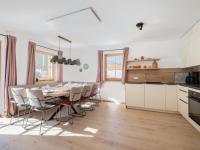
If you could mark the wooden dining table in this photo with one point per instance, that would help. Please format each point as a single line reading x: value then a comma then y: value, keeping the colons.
x: 59, y: 92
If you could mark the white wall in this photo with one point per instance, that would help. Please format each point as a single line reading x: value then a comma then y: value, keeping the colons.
x: 21, y: 57
x: 168, y: 51
x: 191, y: 46
x: 173, y: 53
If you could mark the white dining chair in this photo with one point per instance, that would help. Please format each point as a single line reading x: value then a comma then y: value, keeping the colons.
x: 86, y: 93
x: 21, y: 102
x: 37, y: 103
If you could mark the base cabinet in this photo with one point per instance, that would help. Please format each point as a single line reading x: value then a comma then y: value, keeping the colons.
x: 155, y: 96
x: 171, y: 98
x: 135, y: 95
x: 183, y: 109
x: 152, y: 96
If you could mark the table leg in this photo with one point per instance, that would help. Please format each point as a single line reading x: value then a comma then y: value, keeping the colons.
x: 54, y: 114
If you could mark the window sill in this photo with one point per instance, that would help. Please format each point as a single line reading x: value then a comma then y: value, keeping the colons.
x: 45, y: 81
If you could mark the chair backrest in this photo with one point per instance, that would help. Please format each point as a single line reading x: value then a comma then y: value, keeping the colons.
x: 34, y: 96
x: 18, y: 95
x: 75, y: 93
x: 95, y: 89
x: 87, y: 89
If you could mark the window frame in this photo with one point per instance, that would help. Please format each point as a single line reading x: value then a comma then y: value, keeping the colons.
x: 46, y: 80
x: 105, y: 66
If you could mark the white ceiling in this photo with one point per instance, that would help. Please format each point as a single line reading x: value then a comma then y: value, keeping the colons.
x: 164, y: 19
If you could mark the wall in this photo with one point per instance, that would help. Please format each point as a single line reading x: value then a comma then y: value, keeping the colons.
x: 21, y: 57
x: 191, y: 46
x: 168, y: 51
x: 173, y: 53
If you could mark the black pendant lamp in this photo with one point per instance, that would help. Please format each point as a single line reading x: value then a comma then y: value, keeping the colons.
x: 61, y: 60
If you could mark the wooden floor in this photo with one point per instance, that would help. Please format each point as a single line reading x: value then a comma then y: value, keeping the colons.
x: 109, y: 127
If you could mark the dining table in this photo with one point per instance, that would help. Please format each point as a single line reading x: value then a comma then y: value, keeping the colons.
x: 62, y: 92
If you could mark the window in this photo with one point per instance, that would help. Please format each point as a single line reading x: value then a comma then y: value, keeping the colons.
x: 45, y: 71
x: 113, y: 66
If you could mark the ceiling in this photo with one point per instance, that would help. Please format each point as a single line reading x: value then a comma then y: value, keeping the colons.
x: 164, y: 20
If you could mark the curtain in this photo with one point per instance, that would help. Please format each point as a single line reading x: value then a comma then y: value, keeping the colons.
x: 31, y: 63
x: 60, y: 67
x: 100, y: 67
x: 125, y: 52
x: 10, y: 71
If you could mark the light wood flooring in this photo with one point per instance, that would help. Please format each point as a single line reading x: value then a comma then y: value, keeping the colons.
x: 109, y: 127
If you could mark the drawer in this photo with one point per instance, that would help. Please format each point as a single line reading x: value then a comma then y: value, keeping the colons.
x: 183, y: 108
x: 182, y: 89
x: 183, y: 98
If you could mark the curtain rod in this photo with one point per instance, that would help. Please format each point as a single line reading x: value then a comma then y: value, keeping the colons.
x: 3, y: 34
x: 47, y: 48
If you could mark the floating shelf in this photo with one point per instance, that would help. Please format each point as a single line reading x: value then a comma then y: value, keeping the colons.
x: 142, y: 69
x: 157, y: 59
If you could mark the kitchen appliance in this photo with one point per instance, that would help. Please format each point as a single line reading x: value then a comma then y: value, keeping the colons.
x: 194, y: 106
x: 192, y: 78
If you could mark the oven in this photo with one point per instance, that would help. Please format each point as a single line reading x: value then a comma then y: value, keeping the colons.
x: 194, y: 106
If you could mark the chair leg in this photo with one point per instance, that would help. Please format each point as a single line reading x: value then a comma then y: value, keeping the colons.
x: 24, y: 115
x: 69, y: 113
x: 30, y: 110
x: 42, y: 117
x: 11, y: 120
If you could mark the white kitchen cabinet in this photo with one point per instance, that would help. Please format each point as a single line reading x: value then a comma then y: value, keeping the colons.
x: 135, y: 95
x: 183, y: 108
x: 171, y: 98
x: 155, y: 96
x: 182, y: 94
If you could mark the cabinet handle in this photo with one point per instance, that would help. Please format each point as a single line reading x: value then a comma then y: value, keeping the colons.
x: 183, y: 101
x: 183, y: 91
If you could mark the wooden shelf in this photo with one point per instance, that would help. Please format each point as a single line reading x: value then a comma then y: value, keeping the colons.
x: 142, y: 69
x: 157, y: 59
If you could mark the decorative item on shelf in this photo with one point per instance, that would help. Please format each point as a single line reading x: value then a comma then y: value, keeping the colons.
x: 80, y: 70
x: 63, y: 60
x: 155, y: 65
x: 136, y: 66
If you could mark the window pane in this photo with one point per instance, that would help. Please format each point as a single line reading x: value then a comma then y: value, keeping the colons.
x: 114, y: 66
x: 44, y: 69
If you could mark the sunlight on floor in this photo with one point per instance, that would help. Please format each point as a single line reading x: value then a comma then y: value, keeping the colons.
x: 114, y: 100
x: 33, y: 128
x: 91, y: 130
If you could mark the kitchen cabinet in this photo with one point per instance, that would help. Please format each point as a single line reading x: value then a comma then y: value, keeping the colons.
x: 155, y: 96
x: 182, y: 94
x: 135, y: 95
x: 152, y: 96
x: 171, y: 98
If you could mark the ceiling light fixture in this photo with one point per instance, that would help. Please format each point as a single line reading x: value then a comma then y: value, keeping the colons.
x: 75, y: 12
x: 140, y: 25
x: 63, y: 60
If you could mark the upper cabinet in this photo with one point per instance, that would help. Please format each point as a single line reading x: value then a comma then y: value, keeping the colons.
x: 191, y: 47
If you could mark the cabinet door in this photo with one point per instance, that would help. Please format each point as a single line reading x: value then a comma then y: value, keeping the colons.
x: 183, y: 108
x: 135, y: 95
x: 171, y: 97
x: 155, y: 96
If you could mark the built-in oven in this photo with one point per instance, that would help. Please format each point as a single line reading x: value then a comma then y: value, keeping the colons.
x: 194, y: 106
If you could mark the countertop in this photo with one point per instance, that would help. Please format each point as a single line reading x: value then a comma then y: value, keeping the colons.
x: 182, y: 84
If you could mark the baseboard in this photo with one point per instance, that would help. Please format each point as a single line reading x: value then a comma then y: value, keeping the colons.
x: 154, y: 110
x: 109, y: 101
